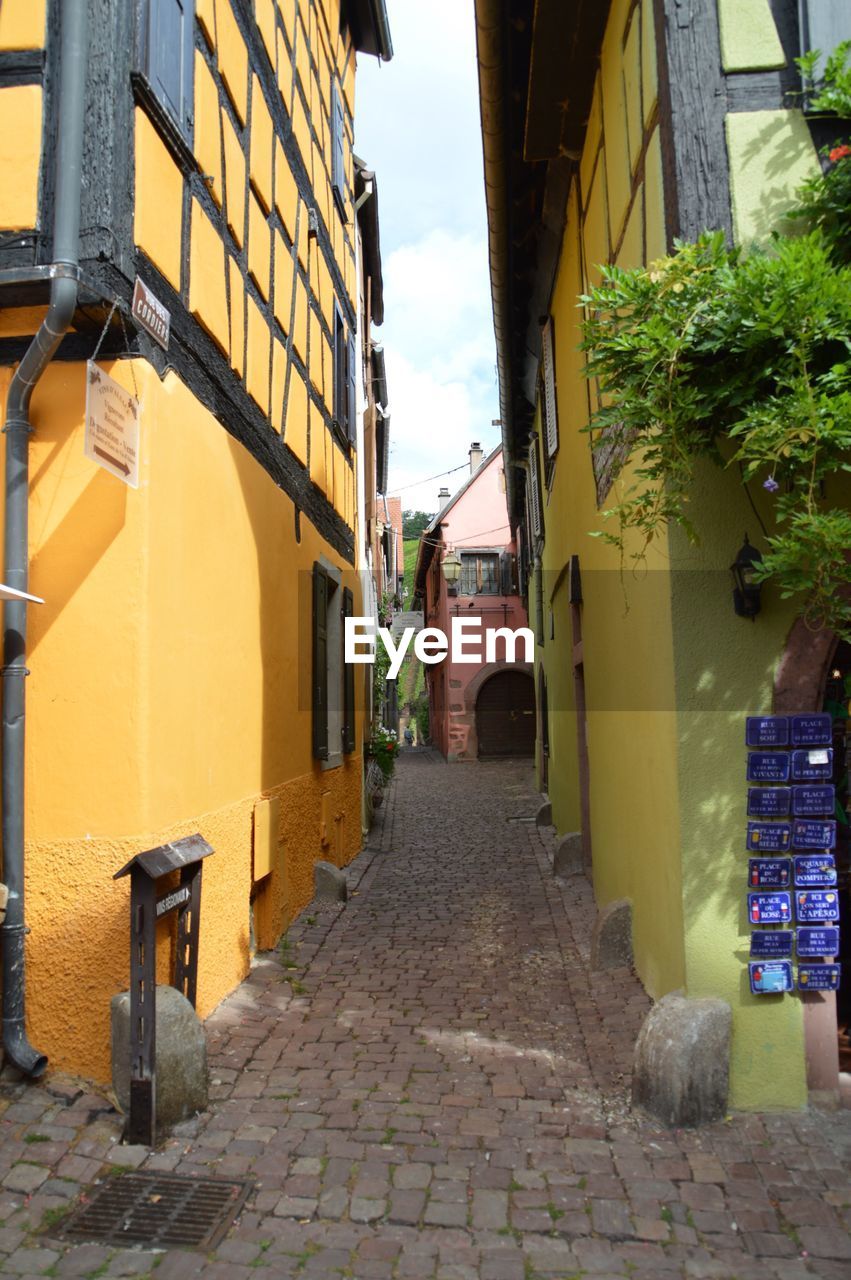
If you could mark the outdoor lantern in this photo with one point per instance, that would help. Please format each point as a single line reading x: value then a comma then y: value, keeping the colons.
x: 747, y: 590
x: 451, y: 568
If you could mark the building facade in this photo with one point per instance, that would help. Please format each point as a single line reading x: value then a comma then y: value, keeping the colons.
x: 184, y: 671
x: 480, y: 704
x: 610, y: 130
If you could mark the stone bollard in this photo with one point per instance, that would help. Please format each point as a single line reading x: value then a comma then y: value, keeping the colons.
x: 611, y: 938
x: 568, y: 860
x: 329, y: 883
x: 682, y: 1061
x: 544, y: 816
x: 181, y: 1057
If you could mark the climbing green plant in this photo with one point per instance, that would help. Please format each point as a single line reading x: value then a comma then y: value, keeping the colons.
x: 743, y: 358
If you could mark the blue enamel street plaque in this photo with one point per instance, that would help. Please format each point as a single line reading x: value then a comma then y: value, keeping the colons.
x: 772, y: 944
x: 819, y: 977
x: 769, y: 837
x: 815, y: 905
x: 812, y: 731
x: 768, y: 766
x: 817, y: 942
x: 815, y: 871
x: 770, y: 908
x: 769, y: 802
x: 769, y: 873
x: 767, y: 731
x: 770, y: 977
x: 809, y: 802
x: 813, y: 835
x: 812, y: 764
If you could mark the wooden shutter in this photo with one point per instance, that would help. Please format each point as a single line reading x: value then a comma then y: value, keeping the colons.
x: 549, y: 390
x: 169, y: 58
x: 534, y: 490
x: 506, y: 573
x: 338, y: 134
x: 320, y: 662
x: 351, y: 387
x: 348, y: 678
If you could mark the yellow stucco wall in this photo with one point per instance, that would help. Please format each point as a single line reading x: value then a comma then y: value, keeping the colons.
x: 615, y: 213
x: 167, y: 695
x: 20, y: 155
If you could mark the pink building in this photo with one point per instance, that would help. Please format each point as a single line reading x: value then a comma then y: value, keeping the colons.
x: 484, y: 708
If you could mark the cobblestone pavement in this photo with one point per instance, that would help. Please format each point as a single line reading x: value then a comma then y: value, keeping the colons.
x: 429, y: 1083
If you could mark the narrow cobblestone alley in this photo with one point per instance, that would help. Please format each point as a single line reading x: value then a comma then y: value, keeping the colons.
x: 429, y: 1083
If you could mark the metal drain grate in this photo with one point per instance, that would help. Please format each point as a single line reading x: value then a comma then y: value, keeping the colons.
x: 158, y: 1210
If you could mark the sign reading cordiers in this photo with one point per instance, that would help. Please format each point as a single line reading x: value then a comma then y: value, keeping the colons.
x: 112, y: 426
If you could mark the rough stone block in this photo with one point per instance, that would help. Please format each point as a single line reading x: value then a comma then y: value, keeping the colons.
x: 329, y: 882
x: 682, y: 1061
x: 611, y: 939
x: 181, y: 1056
x: 568, y: 855
x: 544, y: 816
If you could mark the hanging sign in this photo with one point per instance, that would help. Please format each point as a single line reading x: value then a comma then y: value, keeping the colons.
x: 769, y: 908
x: 819, y: 977
x: 769, y: 873
x: 812, y: 731
x: 813, y: 835
x: 771, y: 944
x: 811, y: 765
x: 150, y: 314
x: 770, y: 977
x: 768, y: 766
x: 817, y: 942
x: 812, y: 801
x: 769, y: 837
x: 816, y: 905
x: 767, y: 731
x: 769, y: 802
x: 112, y: 426
x: 815, y: 871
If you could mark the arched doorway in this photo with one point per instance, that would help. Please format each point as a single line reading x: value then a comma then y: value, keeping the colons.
x: 505, y: 714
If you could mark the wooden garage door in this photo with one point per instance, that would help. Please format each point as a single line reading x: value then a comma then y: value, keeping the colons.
x: 505, y: 715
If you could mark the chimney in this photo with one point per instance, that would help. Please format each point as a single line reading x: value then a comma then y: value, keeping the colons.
x: 476, y: 455
x: 443, y: 496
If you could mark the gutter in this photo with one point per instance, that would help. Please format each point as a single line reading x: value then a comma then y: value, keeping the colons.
x: 382, y: 29
x: 70, y: 117
x: 492, y: 90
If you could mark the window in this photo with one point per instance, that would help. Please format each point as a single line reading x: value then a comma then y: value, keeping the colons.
x: 338, y: 144
x: 549, y: 401
x: 345, y: 378
x: 166, y: 58
x: 333, y: 696
x: 824, y: 25
x: 533, y: 492
x: 479, y: 573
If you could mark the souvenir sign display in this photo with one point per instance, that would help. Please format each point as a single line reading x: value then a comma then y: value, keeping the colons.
x: 815, y: 871
x: 770, y: 908
x: 770, y: 977
x: 815, y: 904
x: 767, y: 731
x: 771, y: 944
x: 812, y: 731
x: 813, y: 835
x: 769, y: 837
x: 770, y: 766
x: 769, y: 873
x: 819, y: 977
x: 810, y: 766
x: 812, y: 801
x: 816, y: 942
x: 771, y: 802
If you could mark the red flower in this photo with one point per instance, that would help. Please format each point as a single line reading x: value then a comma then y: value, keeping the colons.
x: 839, y: 153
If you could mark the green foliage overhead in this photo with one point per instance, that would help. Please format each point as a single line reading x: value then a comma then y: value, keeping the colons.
x: 413, y: 523
x: 743, y: 357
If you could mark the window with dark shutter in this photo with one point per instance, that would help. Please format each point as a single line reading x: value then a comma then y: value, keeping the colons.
x: 338, y: 142
x: 348, y: 681
x: 320, y: 662
x: 824, y: 25
x: 341, y: 374
x: 351, y: 388
x: 535, y: 491
x: 506, y: 573
x: 165, y: 66
x: 550, y: 403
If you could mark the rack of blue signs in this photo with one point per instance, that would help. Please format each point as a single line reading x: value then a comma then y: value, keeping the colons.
x: 791, y: 838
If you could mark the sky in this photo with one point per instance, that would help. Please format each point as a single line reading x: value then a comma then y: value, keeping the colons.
x: 417, y: 126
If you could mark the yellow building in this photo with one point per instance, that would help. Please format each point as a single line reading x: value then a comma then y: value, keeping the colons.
x: 194, y: 535
x: 610, y: 131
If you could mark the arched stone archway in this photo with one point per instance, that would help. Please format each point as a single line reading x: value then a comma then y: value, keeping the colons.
x: 463, y: 737
x: 799, y: 686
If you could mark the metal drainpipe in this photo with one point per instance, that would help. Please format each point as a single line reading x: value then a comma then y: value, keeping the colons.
x: 17, y: 429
